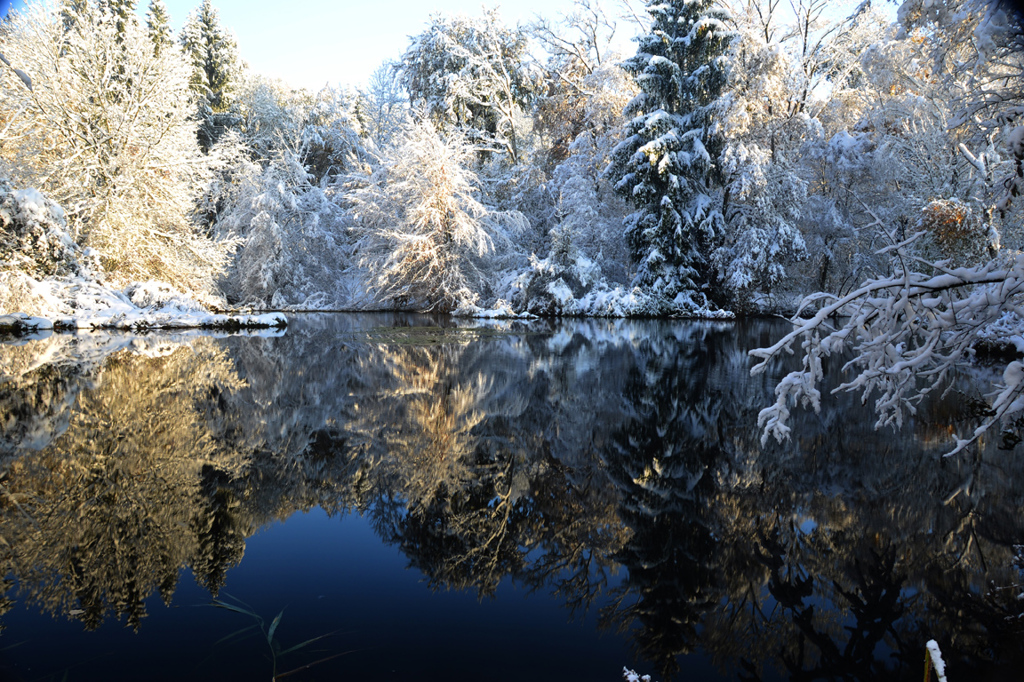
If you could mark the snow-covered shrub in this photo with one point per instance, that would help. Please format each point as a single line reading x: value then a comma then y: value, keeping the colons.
x: 33, y: 235
x: 34, y: 245
x: 331, y: 143
x: 580, y: 121
x: 20, y: 293
x: 589, y: 213
x: 764, y: 132
x: 424, y: 235
x: 551, y: 287
x: 232, y: 174
x: 157, y: 295
x: 268, y: 115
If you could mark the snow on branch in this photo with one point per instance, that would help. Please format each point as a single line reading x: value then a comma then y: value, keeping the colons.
x: 21, y: 74
x: 905, y: 334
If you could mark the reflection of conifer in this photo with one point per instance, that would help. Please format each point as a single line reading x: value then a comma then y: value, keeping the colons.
x: 662, y: 461
x: 220, y: 535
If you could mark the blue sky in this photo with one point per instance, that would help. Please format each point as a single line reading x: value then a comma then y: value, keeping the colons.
x: 309, y: 43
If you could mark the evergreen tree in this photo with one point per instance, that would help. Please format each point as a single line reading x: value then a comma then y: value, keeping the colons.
x: 158, y: 26
x: 122, y: 12
x: 213, y: 54
x: 667, y: 162
x: 70, y: 12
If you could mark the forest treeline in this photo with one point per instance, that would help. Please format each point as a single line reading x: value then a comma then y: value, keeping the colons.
x: 746, y: 154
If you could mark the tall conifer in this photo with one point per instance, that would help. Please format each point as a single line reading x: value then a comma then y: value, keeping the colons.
x: 122, y: 12
x: 666, y: 165
x: 158, y: 26
x: 213, y: 53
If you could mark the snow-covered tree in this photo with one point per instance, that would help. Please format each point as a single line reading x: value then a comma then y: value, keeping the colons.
x: 667, y: 165
x: 121, y: 11
x: 976, y: 50
x: 294, y: 246
x: 577, y: 46
x: 385, y: 109
x: 268, y: 113
x: 764, y: 131
x: 70, y: 10
x: 908, y: 328
x: 332, y: 142
x: 474, y: 76
x: 212, y: 52
x: 158, y: 25
x: 115, y: 147
x: 588, y: 212
x: 423, y: 231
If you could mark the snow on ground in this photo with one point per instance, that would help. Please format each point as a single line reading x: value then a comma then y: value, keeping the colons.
x: 80, y: 303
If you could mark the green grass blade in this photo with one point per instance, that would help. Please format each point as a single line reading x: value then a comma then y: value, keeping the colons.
x: 237, y: 609
x: 310, y: 665
x: 273, y: 626
x: 304, y: 644
x: 237, y: 601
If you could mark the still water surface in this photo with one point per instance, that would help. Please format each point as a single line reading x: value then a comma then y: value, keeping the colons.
x: 407, y: 498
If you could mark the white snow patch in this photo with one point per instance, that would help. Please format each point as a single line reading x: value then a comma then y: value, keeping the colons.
x: 936, y: 657
x: 80, y: 303
x: 501, y: 310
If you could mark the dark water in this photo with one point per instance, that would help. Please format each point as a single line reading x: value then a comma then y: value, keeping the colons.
x: 387, y: 497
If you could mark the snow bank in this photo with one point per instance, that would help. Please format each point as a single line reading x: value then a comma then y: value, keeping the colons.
x: 80, y: 303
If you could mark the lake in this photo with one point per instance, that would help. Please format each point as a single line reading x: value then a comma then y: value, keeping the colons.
x: 401, y: 497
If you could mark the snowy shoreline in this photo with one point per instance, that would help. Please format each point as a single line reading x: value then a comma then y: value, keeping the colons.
x: 18, y: 323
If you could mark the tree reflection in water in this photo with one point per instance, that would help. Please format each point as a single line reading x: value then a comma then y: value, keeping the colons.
x: 615, y: 464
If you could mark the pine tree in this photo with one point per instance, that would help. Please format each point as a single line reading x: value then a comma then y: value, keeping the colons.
x: 122, y: 12
x: 666, y: 164
x: 213, y: 53
x: 70, y: 11
x: 158, y: 26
